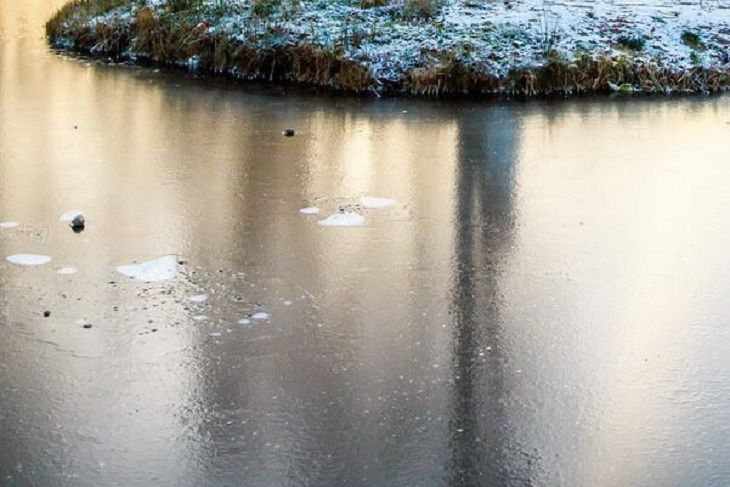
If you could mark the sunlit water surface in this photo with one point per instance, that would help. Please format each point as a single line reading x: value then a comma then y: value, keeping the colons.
x: 546, y: 304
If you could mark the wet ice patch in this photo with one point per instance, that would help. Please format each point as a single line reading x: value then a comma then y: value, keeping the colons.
x: 375, y: 203
x: 70, y: 215
x: 66, y: 271
x: 309, y: 210
x: 347, y: 219
x: 198, y: 298
x: 9, y: 224
x: 153, y: 270
x: 28, y: 259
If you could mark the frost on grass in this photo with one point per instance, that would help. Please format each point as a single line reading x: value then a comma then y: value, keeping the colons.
x: 395, y: 51
x: 347, y: 219
x: 28, y: 259
x: 153, y: 270
x: 375, y: 203
x: 8, y: 224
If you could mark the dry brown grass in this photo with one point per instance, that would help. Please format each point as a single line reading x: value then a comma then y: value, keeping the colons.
x: 373, y: 3
x: 76, y: 12
x: 422, y: 9
x: 448, y: 77
x: 167, y: 41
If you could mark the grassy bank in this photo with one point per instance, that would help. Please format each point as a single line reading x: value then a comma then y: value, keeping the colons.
x: 417, y: 47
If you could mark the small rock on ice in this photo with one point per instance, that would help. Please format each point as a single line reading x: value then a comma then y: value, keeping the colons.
x: 309, y: 211
x: 153, y: 270
x: 347, y: 219
x: 374, y: 203
x: 28, y: 259
x: 9, y: 224
x: 78, y: 223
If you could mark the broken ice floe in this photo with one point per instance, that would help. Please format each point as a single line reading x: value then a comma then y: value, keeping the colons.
x: 347, y: 219
x: 375, y: 203
x: 153, y: 270
x: 28, y: 259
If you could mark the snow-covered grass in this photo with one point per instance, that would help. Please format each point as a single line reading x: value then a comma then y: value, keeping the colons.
x: 440, y: 47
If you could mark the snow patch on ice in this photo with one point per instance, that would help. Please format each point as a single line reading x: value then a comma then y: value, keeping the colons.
x: 70, y: 215
x: 198, y: 298
x: 347, y: 219
x: 153, y: 270
x: 261, y: 315
x: 375, y: 203
x: 28, y: 259
x: 200, y: 318
x: 66, y: 271
x: 312, y: 210
x: 9, y: 224
x: 244, y: 321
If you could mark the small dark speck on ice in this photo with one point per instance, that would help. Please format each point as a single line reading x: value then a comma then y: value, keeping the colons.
x: 78, y: 223
x: 87, y: 325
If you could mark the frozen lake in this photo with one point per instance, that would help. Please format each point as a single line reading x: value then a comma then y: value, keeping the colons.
x: 500, y: 294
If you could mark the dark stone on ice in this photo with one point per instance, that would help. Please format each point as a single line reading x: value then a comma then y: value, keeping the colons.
x: 46, y: 314
x: 289, y: 132
x: 87, y: 325
x: 78, y: 223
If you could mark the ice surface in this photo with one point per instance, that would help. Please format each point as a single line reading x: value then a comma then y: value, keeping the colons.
x: 373, y: 203
x: 153, y: 270
x: 348, y: 219
x: 28, y: 259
